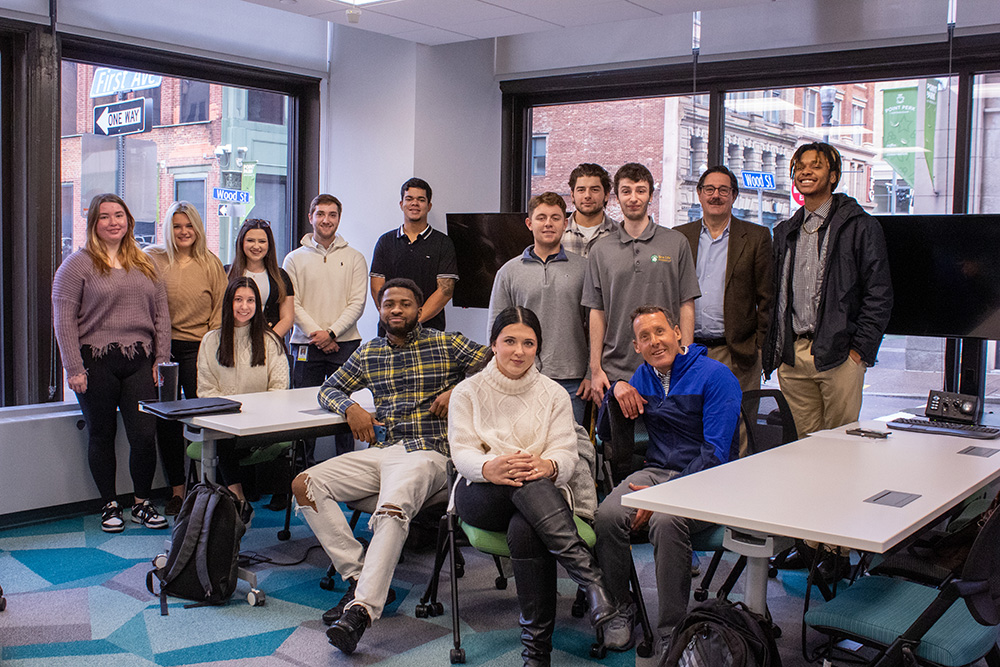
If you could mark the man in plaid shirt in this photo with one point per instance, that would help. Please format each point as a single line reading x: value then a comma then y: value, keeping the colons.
x: 410, y: 372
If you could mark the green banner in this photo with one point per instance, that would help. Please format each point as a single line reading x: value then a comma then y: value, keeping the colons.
x: 249, y: 184
x: 930, y: 124
x: 899, y: 132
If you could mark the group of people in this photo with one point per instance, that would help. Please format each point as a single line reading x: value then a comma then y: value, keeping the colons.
x: 670, y: 324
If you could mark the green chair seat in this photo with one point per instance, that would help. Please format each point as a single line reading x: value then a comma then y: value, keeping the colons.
x: 709, y: 539
x: 256, y: 455
x: 881, y: 609
x: 495, y: 542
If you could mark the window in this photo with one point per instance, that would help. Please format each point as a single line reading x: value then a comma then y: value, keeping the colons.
x: 984, y: 163
x: 538, y: 156
x: 667, y: 134
x: 194, y: 101
x: 152, y: 94
x: 192, y: 190
x: 838, y: 109
x: 265, y: 107
x: 858, y: 123
x: 66, y: 226
x: 810, y: 101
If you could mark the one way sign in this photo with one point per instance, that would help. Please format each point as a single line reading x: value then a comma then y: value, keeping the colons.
x: 128, y: 117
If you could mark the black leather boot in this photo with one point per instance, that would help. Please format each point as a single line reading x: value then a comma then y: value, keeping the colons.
x: 536, y: 594
x: 546, y: 510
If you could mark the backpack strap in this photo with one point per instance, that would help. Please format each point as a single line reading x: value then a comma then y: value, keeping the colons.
x: 179, y: 557
x: 201, y: 552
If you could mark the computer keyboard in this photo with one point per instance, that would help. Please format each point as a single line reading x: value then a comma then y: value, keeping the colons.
x: 946, y: 428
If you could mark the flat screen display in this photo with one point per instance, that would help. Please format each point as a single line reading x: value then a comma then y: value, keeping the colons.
x: 483, y: 243
x: 945, y: 275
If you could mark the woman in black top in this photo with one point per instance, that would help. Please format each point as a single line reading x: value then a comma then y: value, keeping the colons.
x: 256, y: 258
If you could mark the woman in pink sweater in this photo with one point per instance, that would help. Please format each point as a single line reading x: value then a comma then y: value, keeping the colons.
x: 113, y: 327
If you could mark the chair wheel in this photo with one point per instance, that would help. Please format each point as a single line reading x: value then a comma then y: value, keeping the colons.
x: 459, y: 570
x: 598, y: 651
x: 772, y: 572
x: 3, y: 604
x: 160, y: 561
x: 644, y: 649
x: 327, y: 583
x: 284, y: 535
x: 701, y: 595
x: 501, y: 583
x: 256, y: 598
x: 421, y: 611
x: 457, y: 656
x: 578, y: 609
x: 436, y: 609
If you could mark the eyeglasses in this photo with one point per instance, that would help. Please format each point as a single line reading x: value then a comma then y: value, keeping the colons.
x: 257, y: 223
x: 710, y: 190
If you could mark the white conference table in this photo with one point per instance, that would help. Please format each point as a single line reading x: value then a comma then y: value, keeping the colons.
x: 267, y: 417
x: 816, y: 489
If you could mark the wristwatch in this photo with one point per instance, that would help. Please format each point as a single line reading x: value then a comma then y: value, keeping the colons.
x: 333, y: 336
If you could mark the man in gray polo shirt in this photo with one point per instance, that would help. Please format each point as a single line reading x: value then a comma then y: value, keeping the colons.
x: 549, y: 281
x: 643, y: 263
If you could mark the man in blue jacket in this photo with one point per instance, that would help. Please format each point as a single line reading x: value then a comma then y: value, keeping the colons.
x: 691, y: 405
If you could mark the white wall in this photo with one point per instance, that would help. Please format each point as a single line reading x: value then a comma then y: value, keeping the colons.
x: 395, y: 109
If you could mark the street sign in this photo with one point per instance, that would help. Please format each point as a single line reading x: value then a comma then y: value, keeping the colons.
x: 232, y: 196
x: 108, y: 81
x: 758, y: 180
x: 797, y: 196
x: 128, y: 117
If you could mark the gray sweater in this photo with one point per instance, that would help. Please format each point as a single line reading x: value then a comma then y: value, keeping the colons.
x: 552, y: 290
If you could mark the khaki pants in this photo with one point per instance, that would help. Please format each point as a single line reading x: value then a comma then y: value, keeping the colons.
x: 749, y: 379
x: 821, y: 400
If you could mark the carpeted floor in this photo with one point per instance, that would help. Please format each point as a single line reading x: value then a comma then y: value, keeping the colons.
x: 77, y: 597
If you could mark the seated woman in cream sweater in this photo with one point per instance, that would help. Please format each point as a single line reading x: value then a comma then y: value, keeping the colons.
x: 242, y: 357
x: 513, y: 439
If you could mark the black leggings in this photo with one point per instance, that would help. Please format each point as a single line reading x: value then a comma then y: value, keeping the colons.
x: 490, y: 506
x: 115, y: 382
x: 170, y: 434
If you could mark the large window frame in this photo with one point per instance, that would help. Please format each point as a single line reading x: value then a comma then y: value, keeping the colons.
x: 30, y: 195
x: 961, y: 57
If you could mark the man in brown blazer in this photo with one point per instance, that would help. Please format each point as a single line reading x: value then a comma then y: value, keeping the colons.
x: 733, y: 262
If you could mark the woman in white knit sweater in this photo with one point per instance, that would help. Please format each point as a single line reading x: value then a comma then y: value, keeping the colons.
x: 242, y: 357
x: 513, y: 441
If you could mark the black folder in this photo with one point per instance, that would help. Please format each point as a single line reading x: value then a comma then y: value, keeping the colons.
x: 191, y: 407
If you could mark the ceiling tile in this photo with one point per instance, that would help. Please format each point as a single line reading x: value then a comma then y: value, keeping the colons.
x: 433, y: 36
x: 443, y: 13
x: 513, y: 25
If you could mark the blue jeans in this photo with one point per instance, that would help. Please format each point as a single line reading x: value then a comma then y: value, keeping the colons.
x: 579, y: 405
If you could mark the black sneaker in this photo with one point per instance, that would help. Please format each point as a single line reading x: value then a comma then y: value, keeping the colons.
x: 346, y: 632
x: 173, y: 506
x: 111, y: 518
x: 147, y: 515
x: 333, y: 613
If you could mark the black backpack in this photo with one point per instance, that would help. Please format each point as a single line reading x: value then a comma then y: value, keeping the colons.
x: 204, y: 548
x: 720, y: 633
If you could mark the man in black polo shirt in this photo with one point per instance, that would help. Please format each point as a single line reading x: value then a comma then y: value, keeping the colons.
x: 419, y: 252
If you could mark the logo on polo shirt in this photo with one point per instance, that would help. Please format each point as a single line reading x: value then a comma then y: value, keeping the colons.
x: 660, y: 258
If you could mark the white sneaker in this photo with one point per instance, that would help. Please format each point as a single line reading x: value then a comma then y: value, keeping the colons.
x: 111, y: 518
x: 147, y: 515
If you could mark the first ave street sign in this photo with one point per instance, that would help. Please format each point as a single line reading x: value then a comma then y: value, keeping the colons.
x: 128, y: 117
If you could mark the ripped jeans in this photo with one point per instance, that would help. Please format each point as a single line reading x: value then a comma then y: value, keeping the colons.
x: 403, y: 481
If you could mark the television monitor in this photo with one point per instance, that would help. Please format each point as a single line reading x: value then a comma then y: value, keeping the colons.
x: 945, y: 275
x: 483, y: 243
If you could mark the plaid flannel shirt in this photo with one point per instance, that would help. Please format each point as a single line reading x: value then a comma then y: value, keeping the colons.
x: 405, y: 381
x: 573, y: 239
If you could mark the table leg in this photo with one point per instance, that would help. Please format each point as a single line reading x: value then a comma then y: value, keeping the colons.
x: 209, y: 459
x: 758, y: 548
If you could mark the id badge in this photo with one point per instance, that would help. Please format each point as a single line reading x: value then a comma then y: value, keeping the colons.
x: 303, y: 353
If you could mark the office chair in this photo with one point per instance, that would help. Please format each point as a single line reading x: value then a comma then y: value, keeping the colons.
x: 910, y: 624
x: 3, y: 600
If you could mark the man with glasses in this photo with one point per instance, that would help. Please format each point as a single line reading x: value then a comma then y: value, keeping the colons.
x: 590, y: 187
x: 417, y: 251
x: 733, y: 262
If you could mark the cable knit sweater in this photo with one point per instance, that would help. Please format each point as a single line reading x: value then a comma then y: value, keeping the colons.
x: 491, y: 415
x: 214, y: 379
